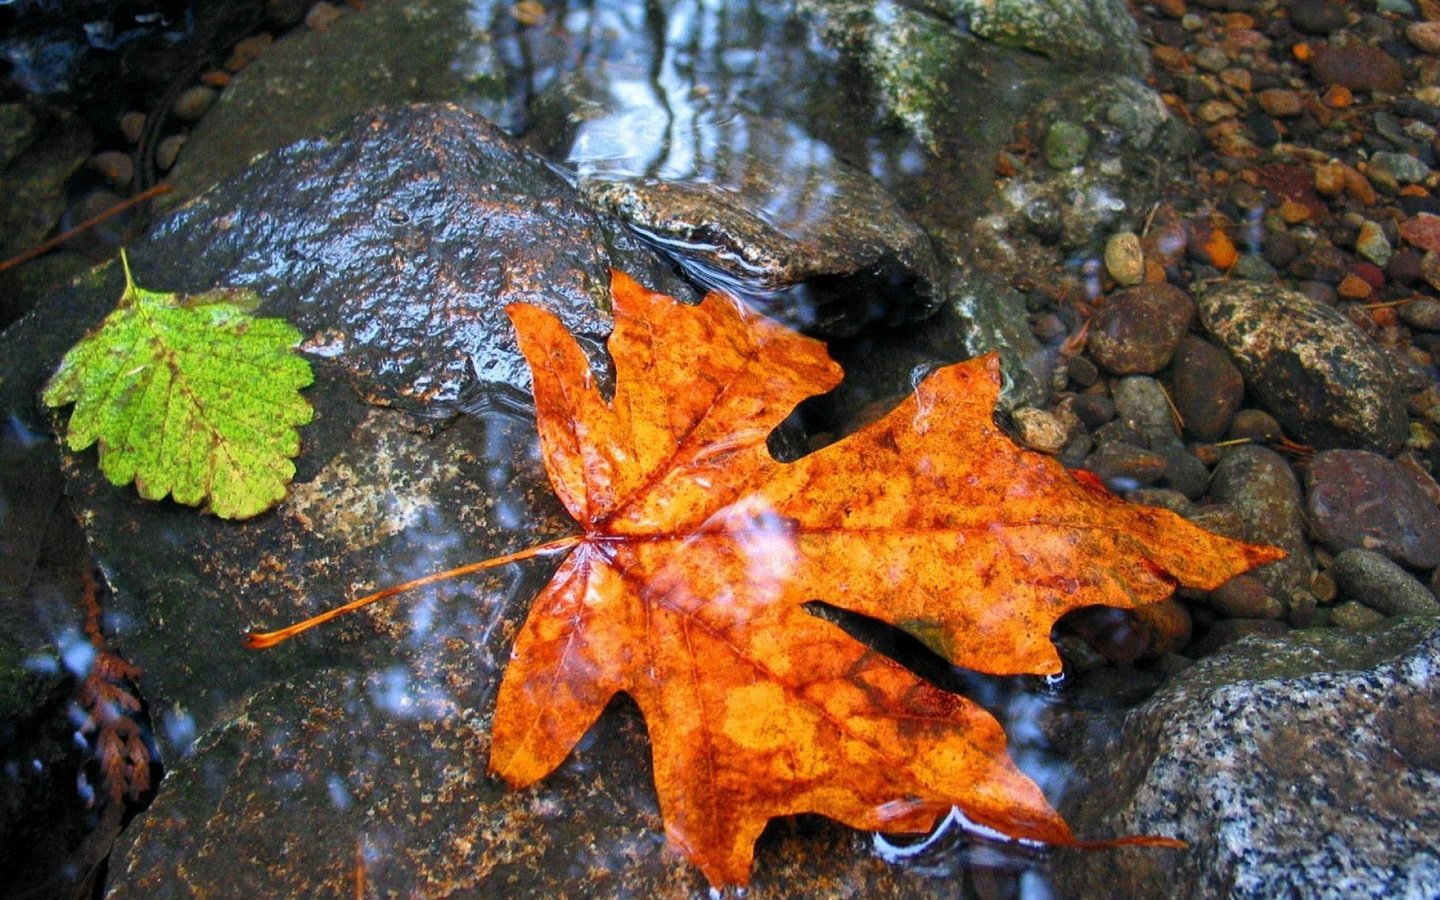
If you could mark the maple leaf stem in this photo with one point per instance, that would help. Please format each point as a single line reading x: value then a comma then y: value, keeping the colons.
x: 261, y: 640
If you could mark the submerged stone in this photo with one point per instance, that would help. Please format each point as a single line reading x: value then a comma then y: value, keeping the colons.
x: 757, y: 208
x: 1301, y: 764
x: 1314, y: 370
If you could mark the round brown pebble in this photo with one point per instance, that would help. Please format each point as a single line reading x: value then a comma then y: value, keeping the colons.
x: 114, y: 166
x: 1254, y: 425
x: 1281, y: 103
x: 1424, y: 36
x: 132, y: 126
x: 193, y: 103
x: 168, y: 150
x: 1205, y: 387
x: 1357, y: 67
x: 1245, y: 597
x: 322, y: 15
x: 1137, y: 329
x: 1422, y: 313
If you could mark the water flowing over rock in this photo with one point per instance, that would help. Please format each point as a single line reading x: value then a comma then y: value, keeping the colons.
x: 1304, y: 764
x: 755, y: 207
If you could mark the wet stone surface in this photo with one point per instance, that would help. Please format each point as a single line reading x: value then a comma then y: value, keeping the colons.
x: 1324, y: 379
x: 1359, y: 499
x: 1298, y: 765
x: 758, y: 207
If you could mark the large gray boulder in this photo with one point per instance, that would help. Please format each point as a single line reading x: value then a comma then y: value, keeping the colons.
x: 1302, y: 765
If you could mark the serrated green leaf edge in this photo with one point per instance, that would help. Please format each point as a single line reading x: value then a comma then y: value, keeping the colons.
x: 188, y: 397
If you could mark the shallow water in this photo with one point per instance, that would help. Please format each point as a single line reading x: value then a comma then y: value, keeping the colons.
x: 691, y: 92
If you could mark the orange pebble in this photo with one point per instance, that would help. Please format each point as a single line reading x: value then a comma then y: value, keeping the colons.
x: 1219, y: 249
x: 1414, y: 190
x: 1337, y: 96
x: 1302, y: 52
x: 1353, y: 287
x: 215, y: 78
x: 1384, y: 316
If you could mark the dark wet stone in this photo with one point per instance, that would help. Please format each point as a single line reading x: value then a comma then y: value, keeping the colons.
x: 1100, y: 34
x: 33, y: 186
x: 1136, y: 330
x: 310, y: 81
x: 1185, y: 473
x: 1206, y: 387
x: 1293, y: 765
x: 1357, y: 67
x: 760, y: 208
x: 1326, y: 382
x: 1360, y: 499
x: 1422, y: 313
x: 1124, y: 467
x: 1318, y: 17
x: 1245, y: 597
x: 1367, y: 577
x: 1254, y: 425
x: 1094, y: 409
x: 394, y: 247
x: 1141, y: 404
x: 1262, y: 489
x: 315, y: 761
x: 991, y: 317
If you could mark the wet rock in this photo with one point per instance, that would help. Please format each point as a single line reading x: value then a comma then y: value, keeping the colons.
x: 1125, y: 258
x: 1319, y: 375
x: 193, y: 103
x: 1245, y: 597
x: 1365, y: 576
x: 1422, y: 313
x: 1281, y: 103
x: 1140, y: 403
x: 1360, y: 499
x: 1100, y: 34
x: 1318, y: 17
x: 1295, y: 765
x: 1124, y: 467
x: 1352, y: 616
x: 1066, y: 144
x: 314, y: 792
x: 759, y: 207
x: 1372, y: 244
x: 1137, y: 330
x: 17, y: 129
x: 394, y: 248
x: 1262, y: 489
x: 1397, y: 168
x: 167, y: 151
x: 394, y: 53
x: 991, y: 317
x: 1040, y: 430
x: 1185, y: 473
x: 1254, y: 425
x: 1206, y: 387
x: 1357, y: 67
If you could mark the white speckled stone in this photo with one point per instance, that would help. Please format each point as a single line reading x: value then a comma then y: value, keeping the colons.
x: 1299, y: 766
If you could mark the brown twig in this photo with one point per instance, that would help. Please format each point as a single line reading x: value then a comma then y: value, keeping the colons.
x: 46, y: 246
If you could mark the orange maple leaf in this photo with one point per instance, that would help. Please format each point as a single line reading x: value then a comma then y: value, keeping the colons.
x: 686, y: 589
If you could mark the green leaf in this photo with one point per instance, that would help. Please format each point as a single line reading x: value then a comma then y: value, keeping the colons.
x: 190, y: 397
